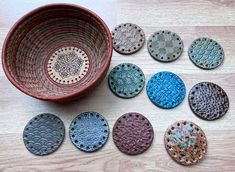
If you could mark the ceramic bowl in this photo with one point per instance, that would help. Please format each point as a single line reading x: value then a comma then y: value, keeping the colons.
x: 57, y: 52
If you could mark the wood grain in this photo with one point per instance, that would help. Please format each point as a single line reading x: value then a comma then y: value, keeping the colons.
x: 190, y: 19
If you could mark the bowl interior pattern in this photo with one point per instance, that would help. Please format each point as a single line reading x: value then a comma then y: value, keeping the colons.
x: 57, y: 51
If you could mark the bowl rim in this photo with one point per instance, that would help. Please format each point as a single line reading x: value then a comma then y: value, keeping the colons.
x: 73, y: 95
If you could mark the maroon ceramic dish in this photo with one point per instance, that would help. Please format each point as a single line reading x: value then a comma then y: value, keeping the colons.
x: 57, y: 52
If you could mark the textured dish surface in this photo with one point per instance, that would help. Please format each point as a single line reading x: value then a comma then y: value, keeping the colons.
x: 126, y: 80
x: 133, y: 133
x: 208, y: 101
x: 185, y: 142
x: 58, y: 52
x: 89, y: 131
x: 206, y: 53
x: 166, y: 90
x: 165, y: 46
x: 68, y: 65
x: 128, y: 38
x: 44, y: 134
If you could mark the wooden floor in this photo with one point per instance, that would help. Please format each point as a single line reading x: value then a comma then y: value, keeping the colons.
x: 190, y: 19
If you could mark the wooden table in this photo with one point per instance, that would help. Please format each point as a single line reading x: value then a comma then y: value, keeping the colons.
x: 190, y: 19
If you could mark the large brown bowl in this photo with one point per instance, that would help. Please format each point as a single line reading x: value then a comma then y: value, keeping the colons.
x: 57, y: 52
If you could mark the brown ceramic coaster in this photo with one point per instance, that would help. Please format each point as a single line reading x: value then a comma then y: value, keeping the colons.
x: 127, y: 38
x: 208, y: 101
x: 132, y: 133
x: 165, y: 46
x: 185, y: 142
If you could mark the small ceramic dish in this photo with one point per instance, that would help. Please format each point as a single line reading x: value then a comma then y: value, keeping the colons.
x: 57, y: 52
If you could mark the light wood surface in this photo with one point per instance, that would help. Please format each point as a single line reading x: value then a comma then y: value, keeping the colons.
x: 190, y: 19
